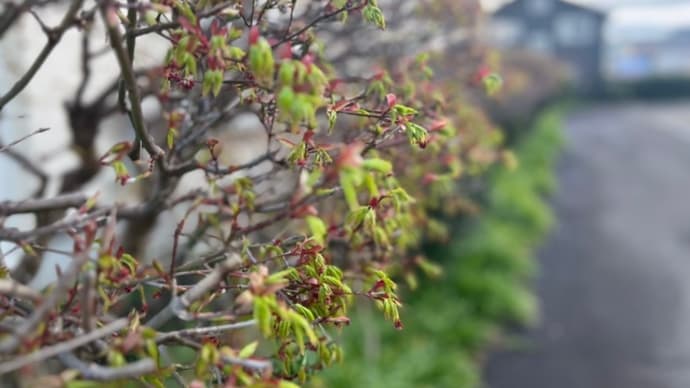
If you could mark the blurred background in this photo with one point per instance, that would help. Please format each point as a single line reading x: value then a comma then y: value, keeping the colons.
x: 574, y: 272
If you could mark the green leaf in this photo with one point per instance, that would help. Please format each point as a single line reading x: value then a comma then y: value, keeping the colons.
x: 207, y: 83
x: 217, y: 82
x: 248, y: 350
x: 349, y: 190
x: 374, y: 15
x: 152, y: 350
x: 305, y: 312
x: 83, y: 384
x: 170, y: 137
x: 299, y: 336
x: 356, y: 217
x: 404, y: 110
x: 261, y: 61
x: 285, y: 100
x: 430, y: 269
x: 282, y: 276
x: 185, y: 9
x: 236, y: 53
x: 286, y: 74
x: 416, y: 133
x: 332, y: 117
x: 379, y: 165
x: 317, y: 228
x: 492, y: 83
x: 190, y: 65
x: 262, y: 315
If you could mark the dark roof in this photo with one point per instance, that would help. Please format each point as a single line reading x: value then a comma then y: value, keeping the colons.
x: 680, y: 36
x: 572, y: 4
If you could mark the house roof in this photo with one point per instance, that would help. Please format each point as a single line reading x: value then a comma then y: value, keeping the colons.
x: 579, y: 4
x: 588, y: 5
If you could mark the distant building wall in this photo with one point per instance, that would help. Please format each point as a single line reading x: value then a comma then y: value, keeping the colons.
x: 666, y: 57
x: 557, y: 28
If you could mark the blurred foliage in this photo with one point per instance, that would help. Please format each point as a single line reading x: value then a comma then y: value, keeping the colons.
x: 485, y: 287
x: 531, y: 83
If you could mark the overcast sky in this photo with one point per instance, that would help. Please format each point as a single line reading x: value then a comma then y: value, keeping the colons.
x: 635, y: 19
x: 603, y: 3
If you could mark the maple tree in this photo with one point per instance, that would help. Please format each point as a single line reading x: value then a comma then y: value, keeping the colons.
x: 266, y: 256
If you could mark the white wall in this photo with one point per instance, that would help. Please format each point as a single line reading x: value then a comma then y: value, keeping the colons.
x: 40, y: 105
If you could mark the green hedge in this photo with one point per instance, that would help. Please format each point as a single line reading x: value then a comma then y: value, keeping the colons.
x: 486, y: 287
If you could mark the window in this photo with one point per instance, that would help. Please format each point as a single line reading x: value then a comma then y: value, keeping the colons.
x: 539, y: 7
x: 575, y: 29
x: 506, y: 32
x: 540, y: 41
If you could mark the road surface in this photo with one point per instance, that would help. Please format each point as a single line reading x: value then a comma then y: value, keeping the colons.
x: 615, y: 276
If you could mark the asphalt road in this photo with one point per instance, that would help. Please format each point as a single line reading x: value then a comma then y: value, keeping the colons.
x: 615, y: 276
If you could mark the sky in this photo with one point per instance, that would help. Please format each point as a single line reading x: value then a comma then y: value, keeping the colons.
x: 490, y: 4
x: 635, y: 19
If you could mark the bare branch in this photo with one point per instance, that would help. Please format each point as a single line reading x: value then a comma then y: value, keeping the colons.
x: 40, y: 205
x: 4, y: 148
x: 10, y: 287
x: 231, y: 263
x: 63, y: 347
x: 53, y: 39
x: 64, y: 283
x: 160, y: 27
x: 137, y: 115
x: 205, y: 330
x: 248, y: 363
x: 14, y: 234
x: 97, y: 372
x: 29, y: 165
x: 194, y: 165
x: 315, y: 22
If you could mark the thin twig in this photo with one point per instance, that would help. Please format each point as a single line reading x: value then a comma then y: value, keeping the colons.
x: 248, y: 363
x: 18, y: 290
x: 160, y: 27
x: 179, y: 305
x: 29, y: 165
x: 314, y: 23
x: 194, y: 165
x: 88, y: 299
x: 62, y: 347
x: 40, y: 205
x: 205, y: 330
x: 16, y: 235
x: 4, y: 148
x: 112, y: 24
x: 85, y: 69
x: 92, y: 371
x: 65, y: 282
x: 53, y: 39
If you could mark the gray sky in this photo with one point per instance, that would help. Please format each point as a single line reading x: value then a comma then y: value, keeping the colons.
x: 603, y: 3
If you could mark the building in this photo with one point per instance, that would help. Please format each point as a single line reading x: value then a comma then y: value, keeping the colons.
x: 662, y: 57
x: 562, y: 29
